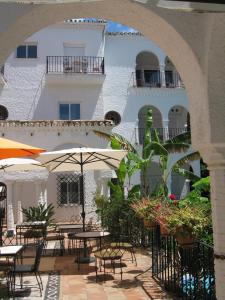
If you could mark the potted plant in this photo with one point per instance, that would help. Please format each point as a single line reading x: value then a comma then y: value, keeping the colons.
x: 146, y: 209
x: 186, y: 224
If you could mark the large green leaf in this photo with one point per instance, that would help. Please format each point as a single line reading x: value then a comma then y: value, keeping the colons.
x: 187, y: 174
x: 181, y: 138
x: 176, y: 147
x: 187, y: 158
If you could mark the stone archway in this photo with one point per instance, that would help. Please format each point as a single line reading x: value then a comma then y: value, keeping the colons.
x: 200, y: 40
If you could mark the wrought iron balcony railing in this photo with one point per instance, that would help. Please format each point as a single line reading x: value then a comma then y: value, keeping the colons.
x: 75, y: 64
x: 156, y: 79
x: 163, y: 133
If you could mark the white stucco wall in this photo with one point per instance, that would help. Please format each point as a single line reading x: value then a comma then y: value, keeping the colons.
x: 30, y: 95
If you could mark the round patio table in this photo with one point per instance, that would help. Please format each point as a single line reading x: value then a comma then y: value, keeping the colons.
x: 97, y: 235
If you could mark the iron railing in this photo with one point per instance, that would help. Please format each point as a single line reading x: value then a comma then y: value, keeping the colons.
x: 187, y: 272
x: 163, y: 133
x: 75, y: 64
x: 170, y: 79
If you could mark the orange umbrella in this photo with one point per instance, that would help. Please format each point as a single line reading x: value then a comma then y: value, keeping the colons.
x: 10, y: 148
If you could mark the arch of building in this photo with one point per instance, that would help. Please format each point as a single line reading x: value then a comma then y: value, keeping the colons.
x: 199, y: 61
x: 178, y: 120
x: 147, y: 69
x: 157, y: 121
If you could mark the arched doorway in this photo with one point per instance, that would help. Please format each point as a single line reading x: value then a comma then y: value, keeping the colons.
x: 147, y: 70
x: 172, y: 77
x: 157, y: 122
x: 178, y: 120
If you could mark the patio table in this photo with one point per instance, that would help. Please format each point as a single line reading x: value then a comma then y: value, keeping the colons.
x: 11, y: 252
x: 21, y: 229
x: 97, y: 235
x: 69, y: 227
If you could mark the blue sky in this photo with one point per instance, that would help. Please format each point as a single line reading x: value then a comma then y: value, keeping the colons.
x: 117, y: 27
x: 114, y: 27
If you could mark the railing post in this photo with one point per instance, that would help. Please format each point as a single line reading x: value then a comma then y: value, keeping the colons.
x: 46, y: 64
x: 103, y: 65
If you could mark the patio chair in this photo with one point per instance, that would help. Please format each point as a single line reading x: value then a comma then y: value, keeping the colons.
x: 125, y: 244
x: 111, y: 255
x: 55, y: 235
x: 22, y: 270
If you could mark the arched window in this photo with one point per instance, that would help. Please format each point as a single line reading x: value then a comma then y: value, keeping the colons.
x: 178, y: 120
x: 157, y: 122
x: 3, y: 113
x: 147, y: 70
x: 113, y: 116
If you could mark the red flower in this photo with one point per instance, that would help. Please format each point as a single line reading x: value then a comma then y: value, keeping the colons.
x: 157, y: 206
x: 175, y: 202
x: 172, y: 197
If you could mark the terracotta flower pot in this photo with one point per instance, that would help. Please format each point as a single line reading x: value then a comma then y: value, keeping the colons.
x: 185, y: 241
x: 149, y: 224
x: 164, y: 231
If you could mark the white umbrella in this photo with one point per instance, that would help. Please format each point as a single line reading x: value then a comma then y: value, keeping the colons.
x: 19, y: 164
x: 81, y: 159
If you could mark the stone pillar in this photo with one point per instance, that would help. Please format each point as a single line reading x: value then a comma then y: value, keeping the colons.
x: 215, y: 160
x: 166, y: 135
x: 10, y: 215
x: 162, y: 75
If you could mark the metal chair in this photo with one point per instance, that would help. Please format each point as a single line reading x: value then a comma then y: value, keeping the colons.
x: 55, y: 235
x: 112, y: 255
x: 21, y: 270
x: 125, y: 244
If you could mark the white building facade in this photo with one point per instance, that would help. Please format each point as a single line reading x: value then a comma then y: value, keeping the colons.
x: 73, y: 77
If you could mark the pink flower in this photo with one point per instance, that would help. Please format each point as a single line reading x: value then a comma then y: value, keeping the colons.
x: 172, y: 197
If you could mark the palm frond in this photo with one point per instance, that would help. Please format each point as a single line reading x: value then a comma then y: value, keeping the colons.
x: 116, y: 138
x: 184, y: 137
x: 104, y: 135
x: 157, y: 148
x: 187, y: 158
x: 187, y: 174
x: 176, y: 147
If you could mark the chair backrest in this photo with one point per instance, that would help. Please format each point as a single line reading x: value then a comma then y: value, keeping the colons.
x: 39, y: 250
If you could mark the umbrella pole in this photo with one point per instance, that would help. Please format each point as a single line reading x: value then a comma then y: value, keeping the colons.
x: 82, y: 191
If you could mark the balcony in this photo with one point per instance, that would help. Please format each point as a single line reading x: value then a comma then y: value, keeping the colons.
x: 156, y: 79
x: 75, y: 69
x: 163, y: 133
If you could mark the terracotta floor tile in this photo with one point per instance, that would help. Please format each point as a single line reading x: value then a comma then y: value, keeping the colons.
x: 81, y: 284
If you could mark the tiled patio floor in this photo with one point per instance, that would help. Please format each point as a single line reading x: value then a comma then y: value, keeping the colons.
x: 81, y: 285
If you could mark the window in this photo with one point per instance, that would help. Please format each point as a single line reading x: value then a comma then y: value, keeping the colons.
x: 26, y: 51
x: 113, y: 116
x: 3, y: 112
x: 69, y: 111
x: 69, y: 189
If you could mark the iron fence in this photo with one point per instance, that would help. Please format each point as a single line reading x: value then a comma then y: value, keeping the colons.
x: 75, y: 64
x: 163, y: 133
x: 187, y: 272
x: 156, y: 79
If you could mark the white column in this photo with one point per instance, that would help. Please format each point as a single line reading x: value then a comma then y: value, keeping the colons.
x: 166, y: 135
x: 44, y: 193
x: 41, y: 192
x: 10, y: 215
x: 19, y: 203
x: 169, y: 183
x: 163, y: 76
x: 185, y: 189
x: 215, y: 160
